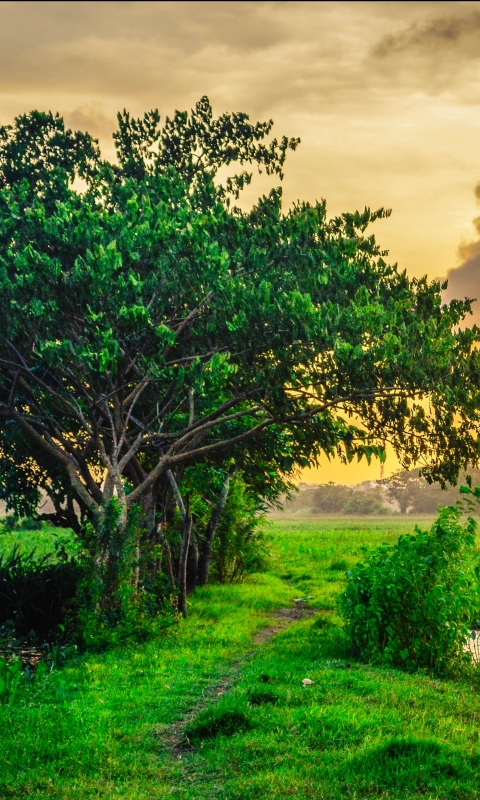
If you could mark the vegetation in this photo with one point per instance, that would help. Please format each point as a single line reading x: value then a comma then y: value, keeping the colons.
x: 405, y: 492
x: 37, y: 596
x: 331, y: 498
x: 168, y: 362
x: 102, y: 725
x: 155, y: 341
x: 414, y: 604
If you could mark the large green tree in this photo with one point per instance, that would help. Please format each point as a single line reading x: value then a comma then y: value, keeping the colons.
x: 148, y: 325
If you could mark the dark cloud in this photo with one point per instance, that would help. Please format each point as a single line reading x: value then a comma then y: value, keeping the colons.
x: 434, y: 33
x: 464, y: 281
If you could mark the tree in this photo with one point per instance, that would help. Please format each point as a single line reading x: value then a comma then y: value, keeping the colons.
x: 147, y: 325
x: 404, y: 488
x: 362, y: 504
x: 331, y: 498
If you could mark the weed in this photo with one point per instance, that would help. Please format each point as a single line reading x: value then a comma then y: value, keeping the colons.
x: 214, y: 721
x: 10, y: 676
x: 261, y: 697
x: 339, y: 566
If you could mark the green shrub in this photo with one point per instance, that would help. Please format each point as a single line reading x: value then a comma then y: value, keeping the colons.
x: 37, y: 597
x: 30, y: 524
x: 10, y: 522
x: 412, y: 604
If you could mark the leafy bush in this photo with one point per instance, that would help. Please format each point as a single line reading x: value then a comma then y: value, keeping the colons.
x: 30, y: 524
x: 412, y: 604
x: 10, y: 522
x: 37, y: 597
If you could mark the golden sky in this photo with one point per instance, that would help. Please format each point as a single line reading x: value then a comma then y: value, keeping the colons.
x: 384, y: 95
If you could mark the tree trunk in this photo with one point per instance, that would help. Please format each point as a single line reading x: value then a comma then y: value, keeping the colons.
x: 168, y: 554
x: 206, y: 546
x: 111, y: 532
x: 182, y: 565
x: 192, y: 562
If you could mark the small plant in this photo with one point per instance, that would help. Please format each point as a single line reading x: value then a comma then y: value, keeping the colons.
x: 412, y: 604
x: 339, y: 566
x: 10, y: 676
x: 262, y: 697
x: 240, y: 547
x: 214, y: 721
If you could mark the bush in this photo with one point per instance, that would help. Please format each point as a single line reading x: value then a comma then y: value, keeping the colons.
x: 412, y: 604
x: 37, y: 597
x: 30, y: 524
x: 10, y: 522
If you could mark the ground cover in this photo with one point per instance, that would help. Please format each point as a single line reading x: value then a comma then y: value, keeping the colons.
x: 102, y: 725
x: 42, y: 541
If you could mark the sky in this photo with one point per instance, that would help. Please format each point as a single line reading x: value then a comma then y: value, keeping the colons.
x: 385, y: 97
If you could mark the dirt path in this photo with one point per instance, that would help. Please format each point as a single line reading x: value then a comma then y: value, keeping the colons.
x: 173, y: 735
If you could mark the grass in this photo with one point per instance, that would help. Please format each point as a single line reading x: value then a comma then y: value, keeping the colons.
x: 42, y: 541
x: 98, y: 727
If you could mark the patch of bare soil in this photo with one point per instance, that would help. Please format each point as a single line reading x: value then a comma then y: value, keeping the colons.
x: 173, y: 736
x: 284, y: 616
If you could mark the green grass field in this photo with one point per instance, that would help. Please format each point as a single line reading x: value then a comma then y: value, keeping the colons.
x: 110, y: 725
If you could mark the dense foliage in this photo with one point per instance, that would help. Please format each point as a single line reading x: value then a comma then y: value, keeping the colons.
x: 148, y: 326
x: 413, y: 604
x: 37, y: 596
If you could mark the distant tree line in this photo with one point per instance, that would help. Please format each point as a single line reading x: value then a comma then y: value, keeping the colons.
x: 405, y: 492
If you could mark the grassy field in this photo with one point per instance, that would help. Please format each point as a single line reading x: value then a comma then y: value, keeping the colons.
x: 110, y: 725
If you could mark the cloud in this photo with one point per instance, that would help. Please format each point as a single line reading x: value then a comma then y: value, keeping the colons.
x: 434, y: 33
x: 464, y: 281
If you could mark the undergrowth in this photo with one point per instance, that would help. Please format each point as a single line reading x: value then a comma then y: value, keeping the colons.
x: 100, y: 726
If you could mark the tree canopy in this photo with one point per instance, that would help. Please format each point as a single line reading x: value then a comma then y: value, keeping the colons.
x: 148, y: 325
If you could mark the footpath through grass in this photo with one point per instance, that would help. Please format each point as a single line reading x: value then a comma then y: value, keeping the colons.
x: 98, y: 727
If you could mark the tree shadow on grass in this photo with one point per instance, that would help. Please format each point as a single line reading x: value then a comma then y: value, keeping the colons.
x: 411, y: 764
